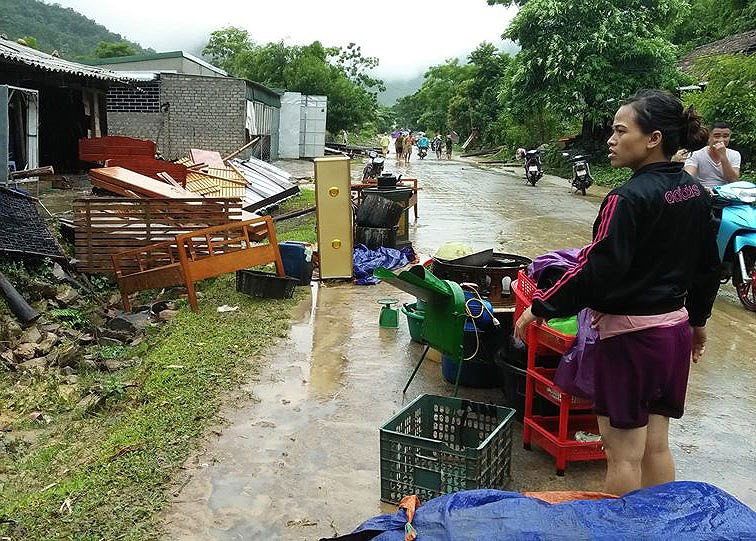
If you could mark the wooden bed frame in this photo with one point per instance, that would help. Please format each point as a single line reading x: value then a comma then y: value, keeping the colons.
x: 197, y: 255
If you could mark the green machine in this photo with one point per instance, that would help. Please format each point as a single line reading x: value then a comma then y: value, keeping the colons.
x: 445, y: 313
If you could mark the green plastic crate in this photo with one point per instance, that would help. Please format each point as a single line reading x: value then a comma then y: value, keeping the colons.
x: 438, y: 445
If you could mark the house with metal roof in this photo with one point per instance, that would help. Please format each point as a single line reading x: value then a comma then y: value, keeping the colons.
x: 743, y: 43
x: 46, y: 104
x: 167, y: 62
x: 183, y: 102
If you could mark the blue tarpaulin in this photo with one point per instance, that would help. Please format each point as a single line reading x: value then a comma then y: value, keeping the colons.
x: 367, y: 260
x: 681, y: 510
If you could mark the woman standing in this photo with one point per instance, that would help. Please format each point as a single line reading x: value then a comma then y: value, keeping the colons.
x: 651, y: 276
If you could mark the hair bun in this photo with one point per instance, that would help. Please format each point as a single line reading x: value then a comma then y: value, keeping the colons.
x: 694, y: 134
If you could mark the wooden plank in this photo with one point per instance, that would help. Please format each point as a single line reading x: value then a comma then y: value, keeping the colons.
x: 209, y: 157
x: 109, y: 225
x: 151, y: 167
x: 140, y: 184
x: 97, y: 149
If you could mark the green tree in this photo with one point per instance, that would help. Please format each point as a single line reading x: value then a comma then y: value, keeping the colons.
x: 55, y: 28
x: 476, y: 102
x: 111, y: 50
x: 730, y: 96
x: 711, y: 20
x: 225, y: 45
x: 340, y: 74
x: 357, y: 67
x: 578, y: 58
x: 428, y: 108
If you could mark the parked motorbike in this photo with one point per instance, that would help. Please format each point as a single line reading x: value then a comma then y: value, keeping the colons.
x: 736, y: 238
x: 533, y: 167
x: 374, y: 166
x: 581, y: 172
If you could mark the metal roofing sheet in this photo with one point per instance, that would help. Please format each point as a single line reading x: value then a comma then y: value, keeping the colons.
x: 15, y: 52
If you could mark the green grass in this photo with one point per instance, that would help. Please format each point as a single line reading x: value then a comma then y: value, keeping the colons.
x: 305, y: 199
x: 103, y: 474
x: 606, y: 175
x: 301, y: 228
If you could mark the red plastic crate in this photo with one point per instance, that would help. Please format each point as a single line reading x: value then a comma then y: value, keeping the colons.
x: 544, y: 386
x: 544, y: 432
x: 548, y: 339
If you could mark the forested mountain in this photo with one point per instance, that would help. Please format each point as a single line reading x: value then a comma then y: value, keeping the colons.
x: 54, y: 27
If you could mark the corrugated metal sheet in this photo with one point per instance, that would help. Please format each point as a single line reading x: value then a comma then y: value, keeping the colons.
x: 267, y: 185
x: 259, y: 184
x: 14, y: 52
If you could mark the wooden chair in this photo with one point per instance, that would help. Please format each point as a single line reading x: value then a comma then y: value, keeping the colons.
x: 197, y: 255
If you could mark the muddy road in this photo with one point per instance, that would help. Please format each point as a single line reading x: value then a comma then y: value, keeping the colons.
x: 298, y: 458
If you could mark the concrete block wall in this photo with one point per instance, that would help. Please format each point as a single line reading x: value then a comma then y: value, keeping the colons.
x: 139, y: 125
x: 203, y: 112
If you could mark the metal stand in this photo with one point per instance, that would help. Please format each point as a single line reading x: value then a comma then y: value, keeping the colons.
x: 422, y: 358
x: 459, y: 374
x: 417, y: 367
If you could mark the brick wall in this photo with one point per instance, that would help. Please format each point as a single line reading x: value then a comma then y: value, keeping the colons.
x: 143, y: 99
x: 203, y: 112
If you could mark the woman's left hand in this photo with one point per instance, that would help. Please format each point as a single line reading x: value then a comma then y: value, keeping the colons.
x: 521, y: 327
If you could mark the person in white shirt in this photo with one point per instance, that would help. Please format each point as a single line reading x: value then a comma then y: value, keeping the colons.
x: 715, y: 164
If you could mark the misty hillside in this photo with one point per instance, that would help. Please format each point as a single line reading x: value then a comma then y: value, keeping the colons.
x: 54, y: 27
x: 397, y: 88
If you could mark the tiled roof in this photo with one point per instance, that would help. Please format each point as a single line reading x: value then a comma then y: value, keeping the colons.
x: 744, y: 43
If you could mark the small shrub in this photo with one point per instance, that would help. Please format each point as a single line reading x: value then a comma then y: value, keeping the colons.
x: 72, y: 316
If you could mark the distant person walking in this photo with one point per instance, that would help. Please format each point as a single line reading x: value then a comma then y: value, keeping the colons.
x: 385, y: 144
x: 409, y: 141
x: 449, y: 145
x: 438, y: 146
x: 399, y: 147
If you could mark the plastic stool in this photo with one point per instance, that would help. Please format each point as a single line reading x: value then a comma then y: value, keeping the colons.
x: 389, y: 318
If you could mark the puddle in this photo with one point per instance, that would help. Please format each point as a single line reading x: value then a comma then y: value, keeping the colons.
x: 301, y: 461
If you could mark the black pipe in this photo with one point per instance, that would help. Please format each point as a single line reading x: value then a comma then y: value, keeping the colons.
x: 20, y: 308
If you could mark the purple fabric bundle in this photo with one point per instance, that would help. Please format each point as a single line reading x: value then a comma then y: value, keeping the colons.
x: 575, y: 371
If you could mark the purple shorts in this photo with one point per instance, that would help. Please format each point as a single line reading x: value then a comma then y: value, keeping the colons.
x: 641, y: 373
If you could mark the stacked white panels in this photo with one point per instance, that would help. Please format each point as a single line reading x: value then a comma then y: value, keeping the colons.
x: 312, y: 126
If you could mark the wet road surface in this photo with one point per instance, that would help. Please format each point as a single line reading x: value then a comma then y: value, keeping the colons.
x: 300, y: 459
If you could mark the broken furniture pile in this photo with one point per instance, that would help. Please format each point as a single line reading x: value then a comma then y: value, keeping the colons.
x: 259, y: 185
x: 167, y: 231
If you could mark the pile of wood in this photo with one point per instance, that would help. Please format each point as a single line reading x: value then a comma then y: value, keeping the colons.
x: 131, y: 170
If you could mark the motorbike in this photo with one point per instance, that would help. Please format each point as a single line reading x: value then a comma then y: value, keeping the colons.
x: 736, y: 238
x: 581, y: 172
x: 533, y: 167
x: 422, y: 152
x: 374, y: 166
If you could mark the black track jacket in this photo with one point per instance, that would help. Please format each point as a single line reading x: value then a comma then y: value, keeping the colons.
x: 654, y: 251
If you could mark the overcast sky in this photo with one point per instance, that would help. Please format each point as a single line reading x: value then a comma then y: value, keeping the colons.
x: 407, y: 36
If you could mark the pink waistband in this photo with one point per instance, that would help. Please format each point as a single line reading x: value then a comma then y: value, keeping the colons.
x: 609, y: 325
